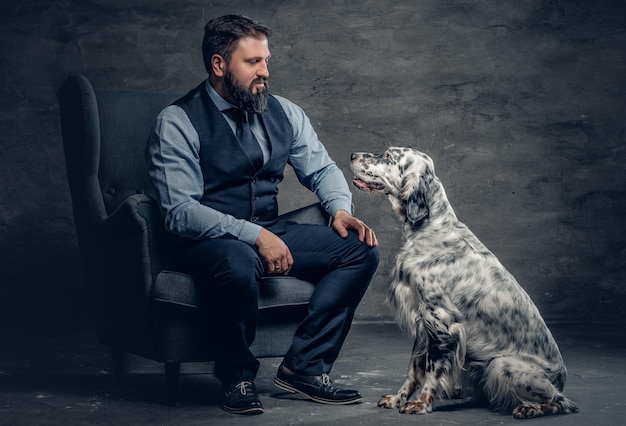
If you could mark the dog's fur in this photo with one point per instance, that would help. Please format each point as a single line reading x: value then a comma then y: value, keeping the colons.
x: 466, y: 312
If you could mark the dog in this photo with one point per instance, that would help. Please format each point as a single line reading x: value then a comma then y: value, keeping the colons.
x: 466, y: 312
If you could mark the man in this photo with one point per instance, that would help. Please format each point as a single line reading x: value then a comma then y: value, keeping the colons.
x: 216, y: 185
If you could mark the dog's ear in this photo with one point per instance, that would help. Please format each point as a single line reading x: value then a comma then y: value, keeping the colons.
x: 416, y: 205
x: 417, y: 202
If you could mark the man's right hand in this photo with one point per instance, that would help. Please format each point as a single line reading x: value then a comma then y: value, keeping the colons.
x: 275, y: 252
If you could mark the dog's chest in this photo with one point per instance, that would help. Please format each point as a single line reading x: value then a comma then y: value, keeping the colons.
x: 435, y: 265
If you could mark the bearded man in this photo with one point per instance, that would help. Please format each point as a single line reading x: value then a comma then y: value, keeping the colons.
x: 216, y: 157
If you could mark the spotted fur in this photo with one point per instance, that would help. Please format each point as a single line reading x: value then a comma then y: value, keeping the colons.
x: 465, y: 311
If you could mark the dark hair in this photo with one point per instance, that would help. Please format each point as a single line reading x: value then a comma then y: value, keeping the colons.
x: 222, y: 34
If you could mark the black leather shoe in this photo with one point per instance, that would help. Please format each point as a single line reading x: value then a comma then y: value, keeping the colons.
x: 318, y: 388
x: 241, y: 398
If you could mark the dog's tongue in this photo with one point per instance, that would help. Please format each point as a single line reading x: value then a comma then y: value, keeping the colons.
x: 367, y: 186
x: 359, y: 183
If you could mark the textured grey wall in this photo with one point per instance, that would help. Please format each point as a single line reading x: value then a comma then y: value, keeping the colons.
x: 521, y: 105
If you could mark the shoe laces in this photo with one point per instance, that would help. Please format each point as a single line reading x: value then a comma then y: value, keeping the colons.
x: 325, y: 379
x: 243, y: 387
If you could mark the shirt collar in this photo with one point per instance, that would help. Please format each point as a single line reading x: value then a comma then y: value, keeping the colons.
x: 221, y: 103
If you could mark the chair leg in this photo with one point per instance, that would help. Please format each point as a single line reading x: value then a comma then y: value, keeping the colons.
x: 172, y: 374
x: 118, y: 356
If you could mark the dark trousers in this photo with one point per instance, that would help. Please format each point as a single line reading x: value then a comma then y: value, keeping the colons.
x: 341, y: 268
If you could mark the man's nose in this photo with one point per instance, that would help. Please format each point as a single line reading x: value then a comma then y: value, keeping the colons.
x: 263, y: 70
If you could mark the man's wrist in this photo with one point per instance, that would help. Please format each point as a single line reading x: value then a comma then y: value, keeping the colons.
x: 341, y: 212
x: 249, y: 233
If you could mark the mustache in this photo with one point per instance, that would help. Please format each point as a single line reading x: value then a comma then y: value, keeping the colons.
x: 263, y: 80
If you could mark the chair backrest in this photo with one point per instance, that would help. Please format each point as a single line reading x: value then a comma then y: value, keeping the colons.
x: 105, y: 134
x: 104, y: 137
x: 126, y: 120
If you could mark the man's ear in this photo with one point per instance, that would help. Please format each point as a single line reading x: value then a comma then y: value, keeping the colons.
x: 218, y: 65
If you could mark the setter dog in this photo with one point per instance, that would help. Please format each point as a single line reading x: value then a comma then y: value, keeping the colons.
x: 466, y: 312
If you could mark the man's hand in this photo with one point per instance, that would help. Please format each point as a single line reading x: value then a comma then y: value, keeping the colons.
x: 344, y: 221
x: 275, y: 252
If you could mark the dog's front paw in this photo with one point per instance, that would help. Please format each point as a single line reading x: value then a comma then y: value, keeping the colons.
x: 416, y: 407
x: 389, y: 401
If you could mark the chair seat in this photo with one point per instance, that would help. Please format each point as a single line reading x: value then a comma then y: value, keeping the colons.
x: 181, y: 311
x: 180, y: 289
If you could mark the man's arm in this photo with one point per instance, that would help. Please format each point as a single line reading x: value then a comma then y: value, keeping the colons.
x: 174, y: 166
x: 318, y: 172
x: 312, y: 164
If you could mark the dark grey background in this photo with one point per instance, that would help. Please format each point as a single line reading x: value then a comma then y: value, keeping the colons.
x: 520, y: 103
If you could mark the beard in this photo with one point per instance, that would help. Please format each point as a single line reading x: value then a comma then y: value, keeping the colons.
x: 244, y: 97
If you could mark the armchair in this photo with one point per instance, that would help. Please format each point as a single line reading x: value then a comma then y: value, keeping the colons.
x: 140, y: 305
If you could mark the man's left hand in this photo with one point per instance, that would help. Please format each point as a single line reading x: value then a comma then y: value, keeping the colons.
x: 344, y: 221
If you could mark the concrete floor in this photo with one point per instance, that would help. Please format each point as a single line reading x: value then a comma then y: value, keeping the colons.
x: 58, y: 374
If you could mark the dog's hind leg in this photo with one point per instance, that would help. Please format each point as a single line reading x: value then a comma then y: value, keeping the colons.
x: 558, y: 405
x: 414, y: 380
x: 541, y: 398
x: 522, y: 385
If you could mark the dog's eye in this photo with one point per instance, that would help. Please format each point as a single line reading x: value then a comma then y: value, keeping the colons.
x: 388, y: 156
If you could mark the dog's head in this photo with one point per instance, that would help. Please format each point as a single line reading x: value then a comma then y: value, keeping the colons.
x: 403, y: 174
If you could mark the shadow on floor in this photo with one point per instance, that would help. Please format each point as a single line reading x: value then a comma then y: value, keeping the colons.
x: 59, y: 374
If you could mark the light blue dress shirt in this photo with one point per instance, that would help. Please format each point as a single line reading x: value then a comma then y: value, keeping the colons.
x: 174, y: 166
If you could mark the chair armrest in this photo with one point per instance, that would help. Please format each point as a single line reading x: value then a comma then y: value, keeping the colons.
x: 314, y: 214
x: 129, y: 217
x: 137, y: 222
x: 130, y: 253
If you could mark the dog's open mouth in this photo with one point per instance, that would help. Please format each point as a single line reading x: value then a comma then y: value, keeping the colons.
x: 368, y: 186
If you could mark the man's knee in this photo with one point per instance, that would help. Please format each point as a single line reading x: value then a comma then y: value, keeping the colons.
x: 369, y: 263
x: 373, y: 257
x: 367, y: 256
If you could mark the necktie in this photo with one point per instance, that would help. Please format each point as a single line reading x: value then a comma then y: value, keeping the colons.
x: 245, y: 137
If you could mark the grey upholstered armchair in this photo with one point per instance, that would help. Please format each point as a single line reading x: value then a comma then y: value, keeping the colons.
x: 142, y: 307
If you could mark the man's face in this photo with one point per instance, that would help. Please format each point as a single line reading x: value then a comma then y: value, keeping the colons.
x: 246, y: 76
